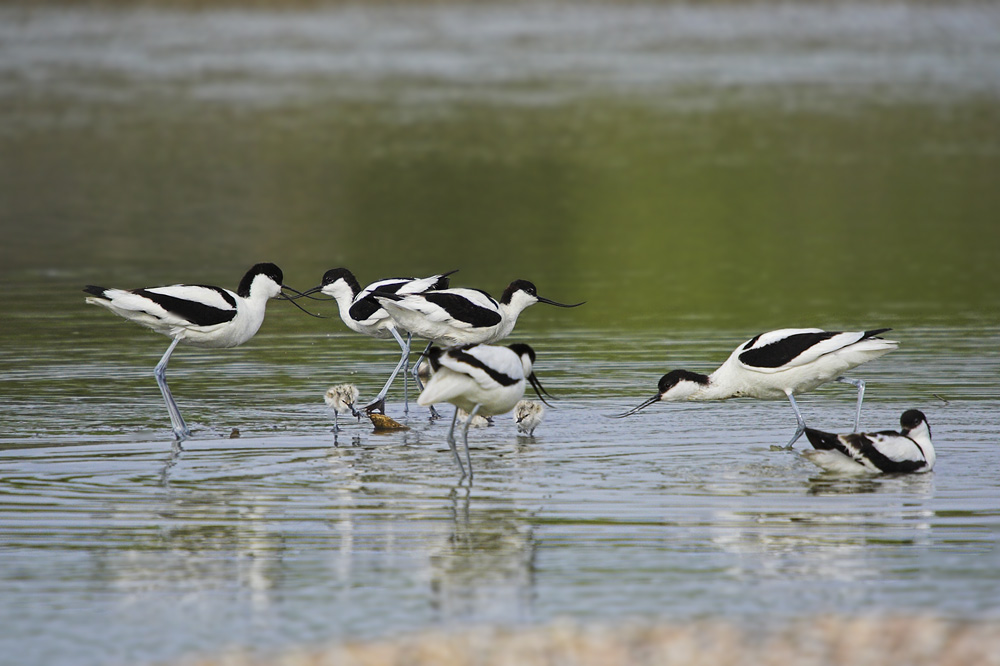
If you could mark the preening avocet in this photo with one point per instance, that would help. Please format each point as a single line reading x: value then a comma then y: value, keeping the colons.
x: 890, y: 452
x: 453, y: 317
x: 778, y: 364
x: 198, y: 315
x: 363, y: 314
x: 481, y: 379
x: 528, y: 415
x: 341, y: 399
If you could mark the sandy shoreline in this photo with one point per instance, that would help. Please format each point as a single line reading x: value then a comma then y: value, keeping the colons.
x: 902, y: 641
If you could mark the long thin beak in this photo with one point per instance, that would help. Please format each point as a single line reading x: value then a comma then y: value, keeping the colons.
x: 655, y: 398
x: 561, y: 305
x: 308, y: 293
x: 298, y: 294
x: 539, y: 389
x: 291, y: 299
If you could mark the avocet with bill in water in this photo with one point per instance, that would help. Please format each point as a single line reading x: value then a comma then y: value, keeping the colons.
x: 778, y: 364
x: 483, y: 380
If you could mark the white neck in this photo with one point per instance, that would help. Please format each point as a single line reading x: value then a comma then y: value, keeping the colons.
x: 345, y: 299
x: 509, y: 313
x: 922, y: 436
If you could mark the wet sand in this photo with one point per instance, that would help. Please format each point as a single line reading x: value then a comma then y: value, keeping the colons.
x: 824, y: 641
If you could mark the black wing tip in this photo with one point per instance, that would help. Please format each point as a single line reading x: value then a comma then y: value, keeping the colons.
x: 821, y: 440
x: 877, y: 331
x: 94, y: 290
x: 391, y: 295
x: 443, y: 281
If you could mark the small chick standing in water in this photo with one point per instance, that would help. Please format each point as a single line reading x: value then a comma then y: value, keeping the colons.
x: 341, y: 399
x: 527, y: 415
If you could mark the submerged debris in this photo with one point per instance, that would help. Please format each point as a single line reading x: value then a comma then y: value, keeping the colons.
x: 383, y: 422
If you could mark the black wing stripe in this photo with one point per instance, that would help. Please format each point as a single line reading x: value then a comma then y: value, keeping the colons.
x: 464, y: 310
x: 364, y: 308
x: 863, y: 449
x: 866, y: 449
x: 782, y: 351
x: 459, y: 354
x: 367, y: 306
x: 198, y: 314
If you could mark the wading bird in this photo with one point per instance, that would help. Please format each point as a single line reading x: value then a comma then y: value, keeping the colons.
x: 454, y: 317
x: 361, y: 313
x: 528, y: 415
x: 197, y: 315
x: 341, y: 399
x: 481, y: 379
x: 909, y: 450
x: 779, y: 364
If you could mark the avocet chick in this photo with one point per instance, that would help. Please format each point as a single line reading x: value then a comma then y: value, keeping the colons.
x: 887, y: 452
x: 478, y: 421
x: 528, y: 415
x: 341, y: 399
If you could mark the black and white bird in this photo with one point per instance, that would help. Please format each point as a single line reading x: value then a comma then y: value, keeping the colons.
x: 777, y: 364
x: 483, y: 380
x: 341, y: 399
x: 528, y: 415
x: 361, y: 313
x: 197, y: 315
x: 454, y: 317
x: 887, y: 452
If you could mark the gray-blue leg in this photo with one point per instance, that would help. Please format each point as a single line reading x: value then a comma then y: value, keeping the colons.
x: 801, y: 428
x: 406, y: 376
x: 181, y: 431
x: 860, y: 383
x: 465, y: 436
x: 379, y: 401
x: 416, y: 376
x: 451, y: 442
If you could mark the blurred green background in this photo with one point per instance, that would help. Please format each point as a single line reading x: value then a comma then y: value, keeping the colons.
x: 670, y: 204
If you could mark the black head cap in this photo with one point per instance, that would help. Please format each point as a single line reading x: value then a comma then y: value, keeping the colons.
x: 434, y: 357
x: 518, y: 285
x: 270, y: 270
x: 347, y: 276
x: 521, y: 349
x: 675, y: 377
x: 911, y: 418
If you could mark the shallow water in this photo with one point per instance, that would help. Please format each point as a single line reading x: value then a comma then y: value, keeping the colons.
x: 697, y: 174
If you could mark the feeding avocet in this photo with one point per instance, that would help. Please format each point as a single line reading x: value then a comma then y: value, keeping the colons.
x: 777, y: 364
x: 481, y: 379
